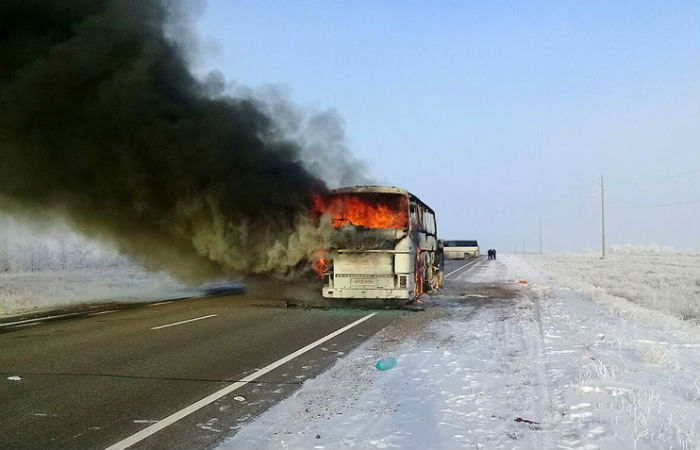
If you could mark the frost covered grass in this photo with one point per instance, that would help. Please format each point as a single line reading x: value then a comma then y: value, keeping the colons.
x: 660, y: 279
x: 651, y: 353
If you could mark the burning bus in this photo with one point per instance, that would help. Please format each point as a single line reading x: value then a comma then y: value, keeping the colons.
x: 388, y: 249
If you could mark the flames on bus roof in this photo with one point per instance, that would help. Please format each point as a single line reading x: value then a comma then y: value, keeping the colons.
x: 376, y: 209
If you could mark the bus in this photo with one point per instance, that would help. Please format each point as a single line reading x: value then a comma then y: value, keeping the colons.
x: 461, y: 249
x: 394, y: 252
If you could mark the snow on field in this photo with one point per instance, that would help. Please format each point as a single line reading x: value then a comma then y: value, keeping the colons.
x: 23, y: 292
x: 44, y: 268
x: 659, y: 279
x: 495, y: 363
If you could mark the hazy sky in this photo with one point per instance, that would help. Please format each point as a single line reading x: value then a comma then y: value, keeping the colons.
x: 497, y: 114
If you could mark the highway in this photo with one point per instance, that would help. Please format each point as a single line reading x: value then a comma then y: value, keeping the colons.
x: 176, y: 374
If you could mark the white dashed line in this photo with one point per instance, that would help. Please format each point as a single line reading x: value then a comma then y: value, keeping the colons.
x: 148, y: 431
x: 38, y: 319
x: 160, y: 303
x: 469, y: 264
x: 26, y: 325
x: 103, y: 312
x: 184, y: 321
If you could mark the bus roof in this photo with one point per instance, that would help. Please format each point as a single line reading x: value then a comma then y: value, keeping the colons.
x: 369, y: 189
x: 379, y: 190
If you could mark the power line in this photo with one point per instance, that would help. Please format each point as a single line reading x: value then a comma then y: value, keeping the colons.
x: 588, y: 194
x: 658, y: 205
x: 578, y: 188
x: 656, y: 180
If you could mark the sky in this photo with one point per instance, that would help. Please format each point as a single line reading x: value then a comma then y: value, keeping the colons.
x: 499, y: 115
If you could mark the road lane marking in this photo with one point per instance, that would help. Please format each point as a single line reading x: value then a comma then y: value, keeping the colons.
x: 152, y: 429
x: 103, y: 312
x: 468, y: 264
x: 160, y: 303
x: 38, y: 319
x: 184, y: 321
x: 26, y: 325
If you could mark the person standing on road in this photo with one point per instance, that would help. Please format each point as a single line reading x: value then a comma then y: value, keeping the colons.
x: 490, y: 252
x: 493, y: 251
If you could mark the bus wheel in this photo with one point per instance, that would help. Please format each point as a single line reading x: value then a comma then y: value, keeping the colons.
x: 412, y: 299
x: 436, y: 280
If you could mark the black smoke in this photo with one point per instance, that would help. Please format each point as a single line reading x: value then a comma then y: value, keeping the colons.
x: 103, y: 125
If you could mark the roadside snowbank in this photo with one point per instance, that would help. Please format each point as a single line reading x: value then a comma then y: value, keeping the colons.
x: 587, y: 379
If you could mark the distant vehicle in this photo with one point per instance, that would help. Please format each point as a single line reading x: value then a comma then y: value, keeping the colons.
x: 223, y: 288
x: 461, y: 249
x: 395, y: 254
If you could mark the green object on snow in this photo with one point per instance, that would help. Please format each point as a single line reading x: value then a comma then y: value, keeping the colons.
x: 386, y: 363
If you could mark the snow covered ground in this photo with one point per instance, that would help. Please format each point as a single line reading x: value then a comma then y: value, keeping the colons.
x: 495, y: 363
x: 24, y: 292
x: 48, y: 267
x: 660, y: 279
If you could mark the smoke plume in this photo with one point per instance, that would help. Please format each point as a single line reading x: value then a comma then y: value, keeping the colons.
x: 103, y: 125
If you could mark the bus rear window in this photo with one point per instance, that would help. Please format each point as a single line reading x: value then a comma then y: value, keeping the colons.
x: 461, y: 244
x: 369, y: 210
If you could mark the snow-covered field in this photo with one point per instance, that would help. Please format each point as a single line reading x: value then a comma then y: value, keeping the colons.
x: 495, y: 363
x: 23, y: 292
x: 52, y: 267
x: 659, y: 279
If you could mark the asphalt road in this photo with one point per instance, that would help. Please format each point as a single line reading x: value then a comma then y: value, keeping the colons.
x: 94, y: 380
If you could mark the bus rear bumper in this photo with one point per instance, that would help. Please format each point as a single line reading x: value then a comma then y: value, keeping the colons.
x: 366, y: 293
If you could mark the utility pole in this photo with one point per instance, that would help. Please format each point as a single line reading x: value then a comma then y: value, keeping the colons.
x: 540, y: 236
x: 602, y: 214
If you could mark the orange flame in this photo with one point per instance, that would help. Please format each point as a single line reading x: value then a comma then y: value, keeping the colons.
x: 317, y: 208
x: 319, y: 263
x: 418, y: 274
x: 364, y: 210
